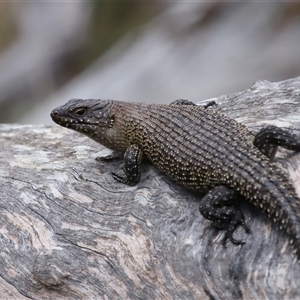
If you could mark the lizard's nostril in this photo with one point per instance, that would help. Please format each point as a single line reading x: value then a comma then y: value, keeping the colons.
x: 54, y: 113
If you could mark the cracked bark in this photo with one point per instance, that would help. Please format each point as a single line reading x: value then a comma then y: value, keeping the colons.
x: 69, y: 231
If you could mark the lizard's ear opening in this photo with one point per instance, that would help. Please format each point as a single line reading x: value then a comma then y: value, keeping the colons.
x: 111, y: 121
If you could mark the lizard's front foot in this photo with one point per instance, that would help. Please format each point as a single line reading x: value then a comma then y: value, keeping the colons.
x: 131, y: 170
x: 113, y: 155
x: 123, y: 178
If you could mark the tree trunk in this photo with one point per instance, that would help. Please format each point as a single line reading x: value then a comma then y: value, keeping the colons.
x: 68, y: 230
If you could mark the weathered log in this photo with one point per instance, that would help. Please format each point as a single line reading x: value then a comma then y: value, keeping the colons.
x: 69, y: 231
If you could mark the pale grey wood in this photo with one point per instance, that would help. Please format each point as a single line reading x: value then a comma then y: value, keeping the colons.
x: 69, y: 231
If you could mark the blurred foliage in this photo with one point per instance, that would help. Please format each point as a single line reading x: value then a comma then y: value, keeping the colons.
x: 110, y: 21
x: 7, y: 26
x: 289, y: 13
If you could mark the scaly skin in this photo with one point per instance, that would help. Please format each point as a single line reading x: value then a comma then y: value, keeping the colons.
x: 201, y: 149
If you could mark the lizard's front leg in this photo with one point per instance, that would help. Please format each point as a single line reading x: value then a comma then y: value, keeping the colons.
x: 131, y: 169
x: 188, y: 102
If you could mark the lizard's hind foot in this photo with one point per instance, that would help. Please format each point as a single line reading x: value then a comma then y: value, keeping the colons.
x: 269, y: 138
x: 217, y: 206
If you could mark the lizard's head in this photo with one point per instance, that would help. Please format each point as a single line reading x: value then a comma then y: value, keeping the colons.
x: 93, y: 117
x: 83, y: 115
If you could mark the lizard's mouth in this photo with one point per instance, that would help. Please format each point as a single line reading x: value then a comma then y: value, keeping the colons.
x: 63, y: 120
x: 69, y: 122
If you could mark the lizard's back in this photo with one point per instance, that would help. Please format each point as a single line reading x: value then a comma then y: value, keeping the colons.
x: 201, y: 148
x: 198, y: 147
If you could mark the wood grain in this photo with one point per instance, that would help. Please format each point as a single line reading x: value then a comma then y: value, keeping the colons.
x: 69, y: 231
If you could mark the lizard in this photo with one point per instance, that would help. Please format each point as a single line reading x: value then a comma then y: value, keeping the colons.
x: 201, y: 149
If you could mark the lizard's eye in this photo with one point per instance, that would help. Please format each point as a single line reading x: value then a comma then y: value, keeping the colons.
x: 80, y: 112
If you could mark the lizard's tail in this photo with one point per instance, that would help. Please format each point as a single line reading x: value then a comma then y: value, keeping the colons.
x: 278, y: 199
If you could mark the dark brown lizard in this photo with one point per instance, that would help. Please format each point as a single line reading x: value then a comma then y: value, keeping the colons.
x: 202, y: 150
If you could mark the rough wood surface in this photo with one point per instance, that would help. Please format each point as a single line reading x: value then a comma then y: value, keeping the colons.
x: 69, y: 231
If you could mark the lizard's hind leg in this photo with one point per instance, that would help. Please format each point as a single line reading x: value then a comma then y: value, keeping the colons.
x: 269, y: 138
x: 218, y: 206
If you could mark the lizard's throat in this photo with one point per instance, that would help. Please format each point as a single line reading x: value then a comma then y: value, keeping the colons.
x: 107, y: 137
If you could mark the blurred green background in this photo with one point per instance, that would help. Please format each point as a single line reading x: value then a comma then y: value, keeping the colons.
x: 139, y: 51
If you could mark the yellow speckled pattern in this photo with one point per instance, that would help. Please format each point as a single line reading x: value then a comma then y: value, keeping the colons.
x: 198, y: 147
